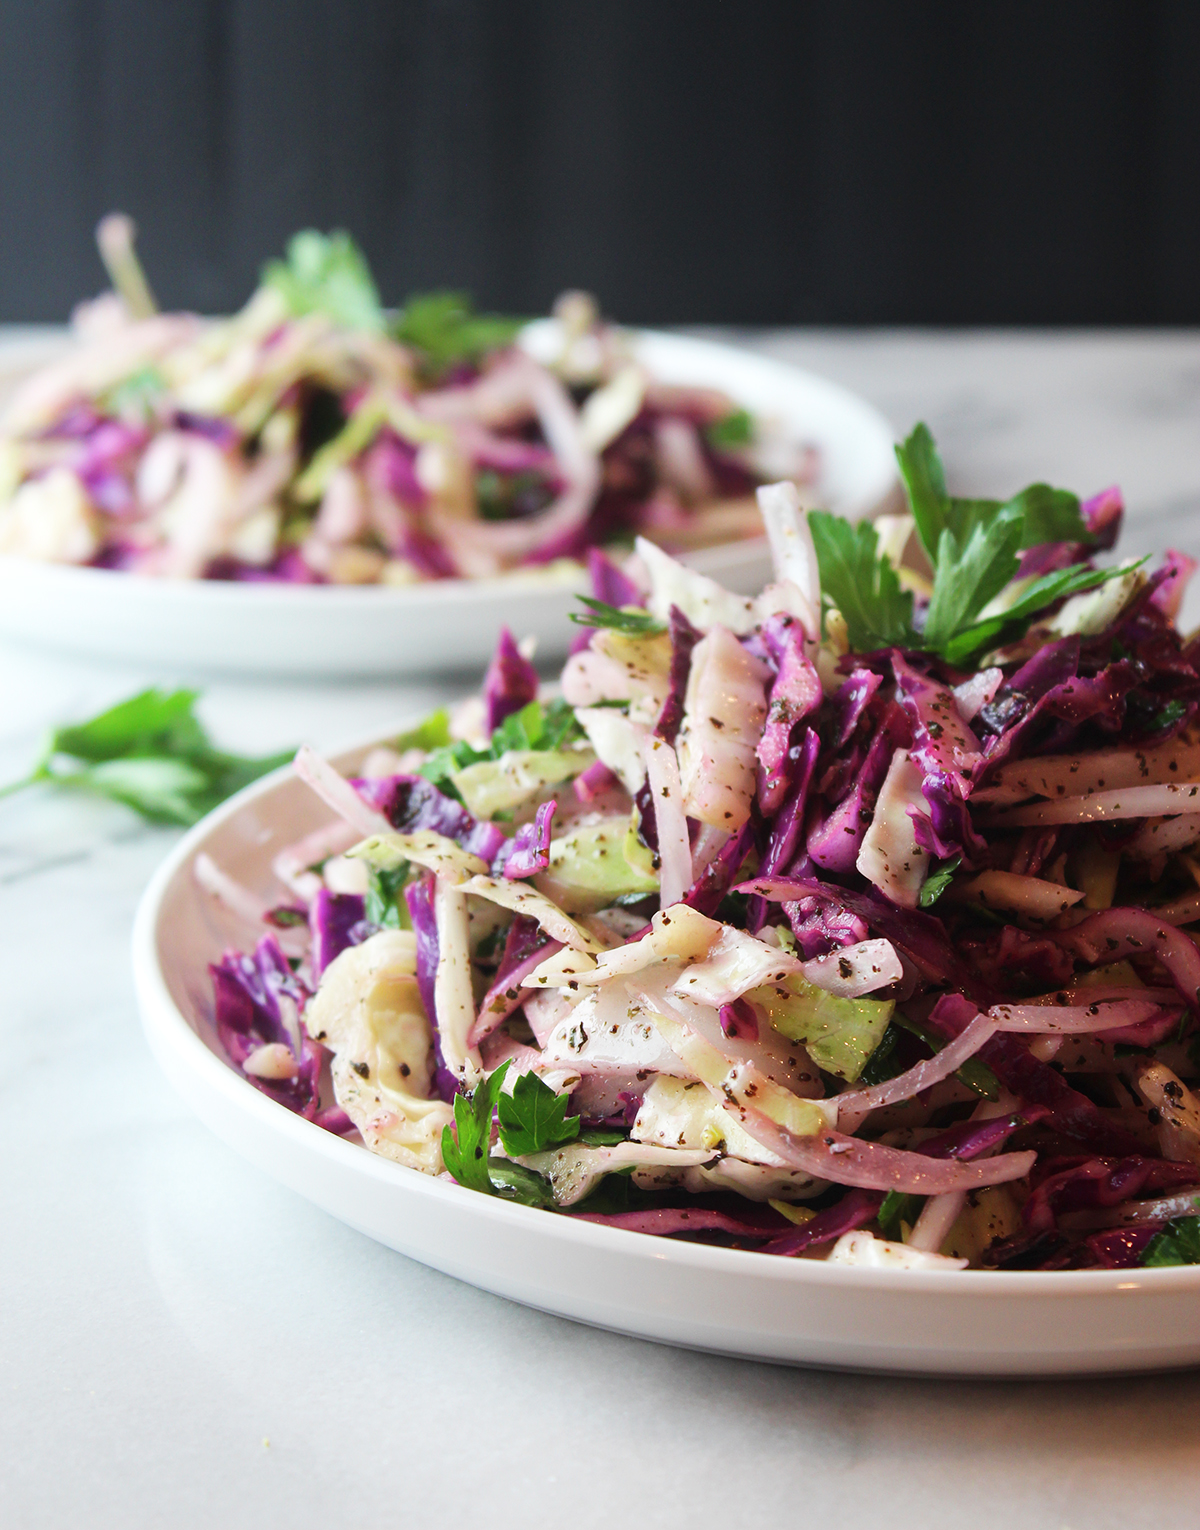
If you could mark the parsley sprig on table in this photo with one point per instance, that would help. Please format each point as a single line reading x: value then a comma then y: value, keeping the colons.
x: 974, y: 547
x: 150, y: 752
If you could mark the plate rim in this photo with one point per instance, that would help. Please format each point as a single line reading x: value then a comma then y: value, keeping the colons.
x: 165, y: 1023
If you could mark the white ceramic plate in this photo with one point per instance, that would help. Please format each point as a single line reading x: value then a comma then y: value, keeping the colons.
x: 451, y: 624
x: 794, y: 1311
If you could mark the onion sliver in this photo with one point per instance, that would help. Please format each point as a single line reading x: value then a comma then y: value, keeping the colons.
x: 871, y: 1165
x: 1127, y: 802
x: 1049, y: 1019
x: 337, y: 792
x: 1115, y: 933
x: 853, y: 1107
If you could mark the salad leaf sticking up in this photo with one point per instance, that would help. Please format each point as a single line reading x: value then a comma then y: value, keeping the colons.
x: 465, y: 1150
x: 616, y: 618
x: 533, y: 1118
x: 150, y: 752
x: 444, y: 328
x: 329, y: 274
x: 936, y: 883
x: 861, y: 583
x: 731, y: 431
x: 975, y: 548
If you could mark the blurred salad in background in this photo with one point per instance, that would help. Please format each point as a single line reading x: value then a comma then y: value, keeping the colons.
x: 319, y: 437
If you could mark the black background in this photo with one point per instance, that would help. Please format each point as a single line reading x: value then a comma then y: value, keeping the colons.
x: 745, y: 161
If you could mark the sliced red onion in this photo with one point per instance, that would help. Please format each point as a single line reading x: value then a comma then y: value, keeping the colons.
x: 847, y: 1160
x: 337, y: 792
x: 854, y: 1106
x: 292, y: 863
x: 1049, y: 1019
x: 1116, y: 933
x: 239, y: 900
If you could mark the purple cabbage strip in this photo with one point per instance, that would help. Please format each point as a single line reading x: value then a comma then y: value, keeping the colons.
x: 419, y: 897
x: 834, y: 844
x: 739, y: 1019
x: 510, y: 684
x: 529, y: 849
x: 220, y: 432
x: 785, y: 840
x: 593, y: 781
x: 850, y: 701
x: 1123, y: 1248
x: 1099, y: 1184
x: 795, y: 694
x: 855, y: 1209
x: 684, y: 638
x: 1102, y: 516
x: 247, y: 992
x: 337, y: 922
x: 706, y: 892
x: 609, y: 584
x: 946, y: 749
x: 411, y: 802
x: 525, y: 947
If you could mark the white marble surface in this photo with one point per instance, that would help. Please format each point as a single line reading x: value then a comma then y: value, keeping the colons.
x: 182, y: 1341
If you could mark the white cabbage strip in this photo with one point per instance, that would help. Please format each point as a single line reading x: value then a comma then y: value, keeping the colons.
x: 723, y: 716
x: 703, y: 601
x: 792, y: 550
x: 890, y: 857
x: 674, y: 847
x: 855, y: 970
x: 1164, y: 836
x: 534, y: 905
x: 453, y: 996
x: 1016, y: 894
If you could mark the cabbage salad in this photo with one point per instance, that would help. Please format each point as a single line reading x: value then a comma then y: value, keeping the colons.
x: 848, y: 922
x: 316, y: 438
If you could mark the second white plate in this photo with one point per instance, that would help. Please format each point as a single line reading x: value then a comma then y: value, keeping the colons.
x: 319, y: 630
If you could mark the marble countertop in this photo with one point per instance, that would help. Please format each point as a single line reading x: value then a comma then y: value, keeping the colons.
x: 184, y: 1341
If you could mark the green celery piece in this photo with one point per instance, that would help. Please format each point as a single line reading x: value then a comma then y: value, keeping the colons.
x: 533, y: 1118
x: 861, y: 584
x: 936, y: 883
x: 327, y: 273
x: 969, y: 573
x: 976, y: 1075
x: 925, y: 484
x: 619, y: 618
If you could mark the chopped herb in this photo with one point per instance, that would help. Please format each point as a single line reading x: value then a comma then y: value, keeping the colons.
x: 936, y: 883
x: 895, y: 1208
x: 629, y: 619
x: 1178, y: 1243
x: 385, y: 905
x: 540, y: 725
x: 1168, y: 717
x: 533, y: 1118
x: 602, y: 1136
x: 882, y: 1065
x: 465, y: 1150
x: 433, y: 732
x: 443, y: 328
x: 734, y: 430
x: 150, y: 752
x: 327, y: 273
x: 974, y: 546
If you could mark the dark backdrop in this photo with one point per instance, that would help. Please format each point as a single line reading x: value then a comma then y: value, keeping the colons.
x: 754, y: 161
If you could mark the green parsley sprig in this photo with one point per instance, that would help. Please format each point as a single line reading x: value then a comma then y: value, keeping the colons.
x: 629, y: 620
x: 974, y: 547
x: 150, y: 752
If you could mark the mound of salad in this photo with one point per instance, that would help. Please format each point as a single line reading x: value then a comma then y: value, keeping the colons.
x: 848, y: 922
x: 319, y: 438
